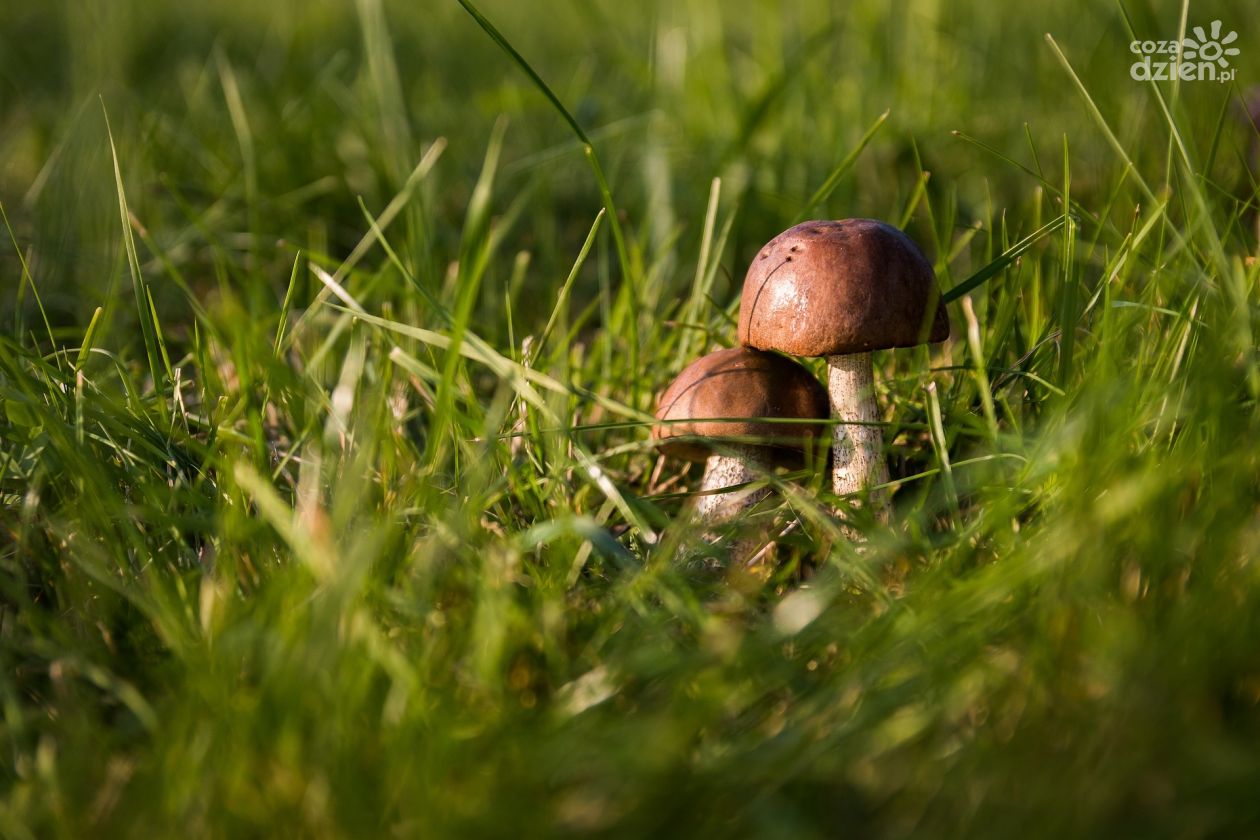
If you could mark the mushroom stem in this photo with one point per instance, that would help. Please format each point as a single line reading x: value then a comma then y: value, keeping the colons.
x: 735, y: 465
x: 857, y: 446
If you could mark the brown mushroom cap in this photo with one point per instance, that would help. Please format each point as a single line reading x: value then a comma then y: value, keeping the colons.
x: 833, y: 288
x: 734, y: 383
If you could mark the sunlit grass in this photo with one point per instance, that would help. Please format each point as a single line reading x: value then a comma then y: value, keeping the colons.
x: 327, y: 503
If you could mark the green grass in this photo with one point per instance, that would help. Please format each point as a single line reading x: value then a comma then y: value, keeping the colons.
x: 330, y: 336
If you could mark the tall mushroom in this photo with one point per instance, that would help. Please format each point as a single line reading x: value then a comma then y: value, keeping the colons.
x: 713, y: 412
x: 840, y: 290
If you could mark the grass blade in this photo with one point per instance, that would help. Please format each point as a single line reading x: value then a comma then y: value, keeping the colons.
x: 629, y: 275
x: 1004, y: 260
x: 144, y: 310
x: 833, y: 180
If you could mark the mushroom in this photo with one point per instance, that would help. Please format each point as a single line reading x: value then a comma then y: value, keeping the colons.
x: 842, y: 289
x: 704, y: 410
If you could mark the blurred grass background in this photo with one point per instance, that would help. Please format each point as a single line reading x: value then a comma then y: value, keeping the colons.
x: 272, y: 566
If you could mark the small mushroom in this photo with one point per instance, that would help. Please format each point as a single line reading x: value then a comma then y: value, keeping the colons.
x: 840, y: 290
x: 704, y: 409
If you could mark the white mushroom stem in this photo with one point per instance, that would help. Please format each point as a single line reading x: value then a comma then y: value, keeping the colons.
x: 734, y: 465
x: 857, y: 446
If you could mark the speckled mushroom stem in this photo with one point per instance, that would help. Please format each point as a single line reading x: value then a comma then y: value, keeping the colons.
x: 857, y: 446
x: 734, y: 465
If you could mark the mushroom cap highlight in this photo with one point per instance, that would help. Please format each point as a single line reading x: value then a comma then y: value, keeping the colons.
x: 828, y: 288
x: 741, y: 383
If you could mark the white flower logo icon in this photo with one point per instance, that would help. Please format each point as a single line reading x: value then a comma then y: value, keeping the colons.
x: 1203, y: 48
